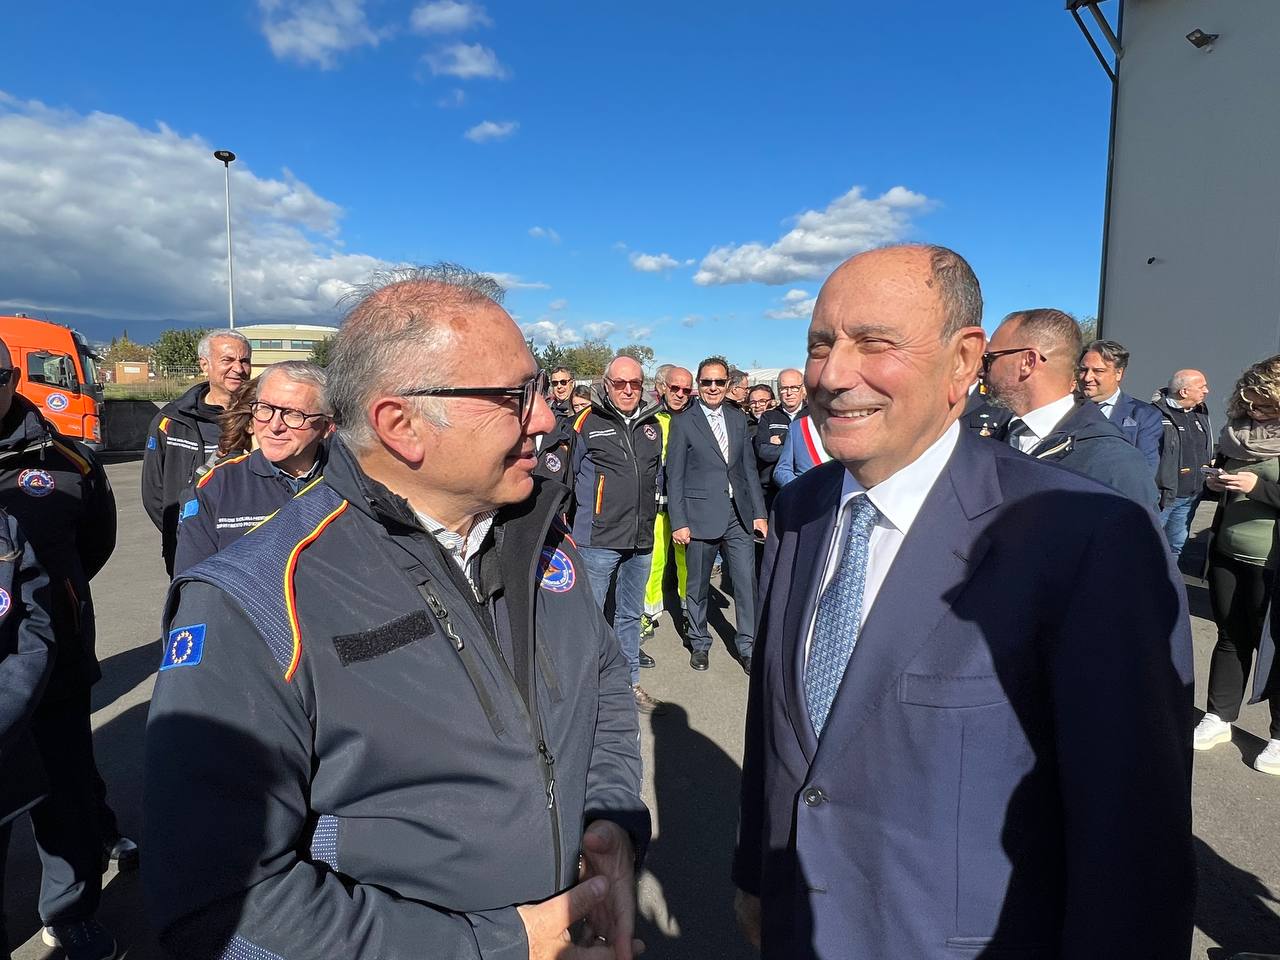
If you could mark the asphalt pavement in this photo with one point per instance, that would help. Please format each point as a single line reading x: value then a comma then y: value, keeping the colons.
x: 692, y: 766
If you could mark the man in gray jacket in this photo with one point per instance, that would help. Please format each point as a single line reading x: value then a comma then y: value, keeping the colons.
x: 392, y: 723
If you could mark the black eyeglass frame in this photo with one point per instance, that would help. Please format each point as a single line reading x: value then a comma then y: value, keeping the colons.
x: 284, y: 414
x: 526, y: 393
x: 991, y: 355
x: 713, y: 381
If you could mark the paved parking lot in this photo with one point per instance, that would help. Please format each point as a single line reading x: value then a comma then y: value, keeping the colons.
x: 692, y: 758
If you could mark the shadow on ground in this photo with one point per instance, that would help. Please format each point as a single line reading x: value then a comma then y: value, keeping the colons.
x: 1232, y: 907
x: 696, y: 789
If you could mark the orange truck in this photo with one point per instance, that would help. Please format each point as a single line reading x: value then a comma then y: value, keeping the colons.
x: 59, y: 374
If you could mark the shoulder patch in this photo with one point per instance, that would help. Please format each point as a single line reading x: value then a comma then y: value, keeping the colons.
x: 555, y: 571
x: 5, y: 602
x: 189, y: 509
x: 184, y: 648
x: 151, y: 443
x: 164, y: 425
x: 36, y: 483
x: 553, y: 462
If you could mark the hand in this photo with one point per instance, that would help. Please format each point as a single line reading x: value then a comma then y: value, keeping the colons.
x: 607, y: 853
x: 746, y: 908
x: 776, y: 440
x: 761, y: 527
x: 546, y: 924
x: 681, y: 536
x: 1238, y: 482
x: 1214, y: 484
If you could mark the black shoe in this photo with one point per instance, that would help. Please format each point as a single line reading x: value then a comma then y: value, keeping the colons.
x: 698, y: 660
x: 123, y: 851
x: 83, y: 940
x: 646, y: 660
x: 746, y: 664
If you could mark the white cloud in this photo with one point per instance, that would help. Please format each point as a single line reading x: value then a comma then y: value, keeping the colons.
x: 544, y: 233
x: 316, y: 31
x: 448, y: 16
x: 510, y: 281
x: 653, y: 262
x: 491, y: 130
x: 103, y: 217
x: 598, y: 331
x: 820, y: 239
x: 692, y: 320
x: 796, y: 305
x: 559, y: 304
x: 545, y: 330
x: 466, y: 61
x: 640, y: 333
x: 454, y: 98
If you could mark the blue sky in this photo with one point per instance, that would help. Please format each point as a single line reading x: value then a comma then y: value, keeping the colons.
x: 679, y: 174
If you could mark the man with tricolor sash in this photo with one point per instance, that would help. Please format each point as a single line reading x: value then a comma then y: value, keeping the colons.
x: 801, y: 451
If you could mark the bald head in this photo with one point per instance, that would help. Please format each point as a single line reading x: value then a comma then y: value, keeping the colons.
x: 623, y: 382
x: 1033, y: 358
x: 1188, y: 388
x: 8, y: 388
x: 790, y: 389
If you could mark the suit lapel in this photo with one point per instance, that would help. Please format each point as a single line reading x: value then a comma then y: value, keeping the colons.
x: 936, y: 561
x: 812, y: 544
x: 711, y: 434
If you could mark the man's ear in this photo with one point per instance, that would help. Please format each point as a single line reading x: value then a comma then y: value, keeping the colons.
x: 967, y: 346
x: 400, y: 428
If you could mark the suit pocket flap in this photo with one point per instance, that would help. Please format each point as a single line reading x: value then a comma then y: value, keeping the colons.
x: 933, y: 691
x: 695, y: 493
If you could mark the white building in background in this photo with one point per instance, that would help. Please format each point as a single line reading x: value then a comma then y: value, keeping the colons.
x: 1191, y: 248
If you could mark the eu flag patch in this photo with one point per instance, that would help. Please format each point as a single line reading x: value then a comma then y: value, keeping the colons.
x: 189, y: 509
x: 184, y: 647
x: 151, y: 443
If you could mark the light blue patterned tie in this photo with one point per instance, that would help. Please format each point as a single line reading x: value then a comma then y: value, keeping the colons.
x: 839, y: 618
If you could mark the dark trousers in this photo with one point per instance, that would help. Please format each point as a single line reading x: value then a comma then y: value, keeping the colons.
x: 4, y: 854
x: 1239, y: 593
x: 66, y: 822
x: 739, y: 558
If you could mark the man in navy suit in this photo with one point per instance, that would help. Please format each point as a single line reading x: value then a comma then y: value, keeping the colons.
x: 964, y: 738
x: 714, y: 500
x: 1101, y: 368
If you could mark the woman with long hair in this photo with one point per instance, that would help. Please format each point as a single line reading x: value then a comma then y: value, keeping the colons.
x: 1243, y: 555
x: 236, y: 423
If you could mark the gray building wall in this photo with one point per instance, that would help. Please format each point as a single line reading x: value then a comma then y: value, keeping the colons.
x: 1196, y: 186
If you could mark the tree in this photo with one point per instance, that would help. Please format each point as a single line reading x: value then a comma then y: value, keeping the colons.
x: 322, y: 352
x: 638, y: 352
x: 174, y: 351
x: 589, y: 358
x: 124, y: 350
x: 1089, y: 328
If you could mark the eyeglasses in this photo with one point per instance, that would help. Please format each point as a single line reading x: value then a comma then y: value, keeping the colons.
x: 560, y: 383
x: 991, y: 355
x: 709, y: 382
x: 265, y: 412
x: 525, y: 393
x: 786, y: 389
x: 6, y: 375
x: 679, y: 391
x: 632, y: 385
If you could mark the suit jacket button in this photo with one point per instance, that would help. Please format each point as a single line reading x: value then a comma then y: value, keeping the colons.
x: 813, y: 797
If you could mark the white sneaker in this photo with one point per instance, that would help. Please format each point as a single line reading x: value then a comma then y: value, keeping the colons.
x: 1211, y: 731
x: 1268, y: 761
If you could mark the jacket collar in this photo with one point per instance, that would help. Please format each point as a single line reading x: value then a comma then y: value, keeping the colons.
x: 30, y: 427
x: 263, y: 467
x: 602, y: 406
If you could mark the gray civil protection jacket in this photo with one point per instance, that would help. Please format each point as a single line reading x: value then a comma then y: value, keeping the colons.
x: 340, y: 759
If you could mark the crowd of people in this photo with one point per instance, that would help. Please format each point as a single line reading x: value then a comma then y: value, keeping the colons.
x: 400, y: 687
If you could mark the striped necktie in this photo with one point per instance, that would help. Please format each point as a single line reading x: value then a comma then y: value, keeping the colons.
x: 722, y: 437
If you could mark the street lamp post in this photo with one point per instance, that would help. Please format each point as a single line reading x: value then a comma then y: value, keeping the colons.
x: 226, y: 156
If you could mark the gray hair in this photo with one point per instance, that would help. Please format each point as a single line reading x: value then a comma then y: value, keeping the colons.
x: 392, y: 339
x: 204, y: 349
x: 1110, y: 351
x: 298, y: 371
x: 1183, y: 379
x: 1053, y: 332
x: 664, y: 370
x: 958, y: 289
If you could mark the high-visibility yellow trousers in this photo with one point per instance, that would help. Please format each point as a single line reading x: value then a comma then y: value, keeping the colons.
x: 657, y: 568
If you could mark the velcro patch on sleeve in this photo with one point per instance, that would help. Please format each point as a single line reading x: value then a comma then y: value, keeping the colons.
x: 184, y: 648
x: 370, y: 644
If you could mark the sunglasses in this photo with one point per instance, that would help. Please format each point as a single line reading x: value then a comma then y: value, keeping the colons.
x: 992, y: 355
x: 525, y: 393
x: 5, y: 376
x: 679, y: 391
x: 631, y: 385
x: 560, y: 383
x: 709, y: 382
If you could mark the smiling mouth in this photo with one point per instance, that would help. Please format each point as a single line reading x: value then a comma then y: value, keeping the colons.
x: 861, y: 414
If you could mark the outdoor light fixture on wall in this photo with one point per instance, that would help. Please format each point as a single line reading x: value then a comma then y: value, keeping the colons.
x: 1200, y: 40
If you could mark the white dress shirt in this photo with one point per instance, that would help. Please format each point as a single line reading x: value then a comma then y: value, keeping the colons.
x: 712, y: 416
x: 1041, y: 421
x: 899, y: 499
x: 1109, y: 405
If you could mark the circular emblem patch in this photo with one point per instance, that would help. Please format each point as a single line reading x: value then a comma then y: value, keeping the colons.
x: 651, y: 431
x: 557, y: 571
x: 36, y: 483
x: 57, y: 402
x: 552, y: 462
x: 5, y: 602
x: 181, y: 647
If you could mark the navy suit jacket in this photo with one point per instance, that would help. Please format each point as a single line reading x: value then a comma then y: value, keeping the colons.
x: 698, y: 477
x: 1006, y: 768
x: 1141, y: 425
